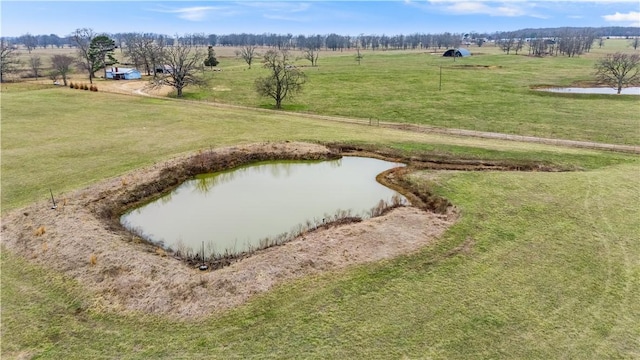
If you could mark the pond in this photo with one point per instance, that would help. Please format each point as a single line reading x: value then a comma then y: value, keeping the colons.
x: 594, y: 90
x: 235, y: 210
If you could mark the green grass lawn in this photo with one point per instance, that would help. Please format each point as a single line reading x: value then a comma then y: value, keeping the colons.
x: 83, y: 137
x: 552, y: 272
x: 487, y: 92
x: 551, y: 268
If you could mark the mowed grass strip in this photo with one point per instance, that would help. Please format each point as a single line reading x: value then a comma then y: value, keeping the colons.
x: 541, y: 265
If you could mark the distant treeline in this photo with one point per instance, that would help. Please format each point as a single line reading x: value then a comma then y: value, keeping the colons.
x: 337, y: 42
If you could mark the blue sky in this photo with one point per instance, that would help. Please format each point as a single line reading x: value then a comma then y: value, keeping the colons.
x: 310, y: 17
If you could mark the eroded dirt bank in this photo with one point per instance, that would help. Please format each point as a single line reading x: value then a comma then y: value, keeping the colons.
x: 82, y: 238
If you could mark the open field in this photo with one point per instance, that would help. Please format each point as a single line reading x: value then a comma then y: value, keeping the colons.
x: 485, y: 92
x: 539, y: 265
x: 490, y: 91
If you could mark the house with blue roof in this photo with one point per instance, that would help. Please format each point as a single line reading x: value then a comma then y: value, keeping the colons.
x: 117, y: 73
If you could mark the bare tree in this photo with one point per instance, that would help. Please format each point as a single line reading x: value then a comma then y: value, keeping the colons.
x: 311, y: 54
x: 53, y: 75
x: 358, y: 55
x: 81, y: 38
x: 35, y: 62
x: 507, y: 43
x: 155, y: 53
x: 312, y: 47
x: 62, y: 66
x: 29, y: 41
x: 519, y: 44
x: 575, y: 42
x: 247, y: 53
x: 284, y: 79
x: 538, y: 47
x: 619, y: 70
x: 136, y: 49
x: 145, y: 50
x: 8, y: 59
x: 183, y: 62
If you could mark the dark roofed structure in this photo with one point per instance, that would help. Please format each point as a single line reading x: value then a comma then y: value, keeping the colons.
x: 460, y: 52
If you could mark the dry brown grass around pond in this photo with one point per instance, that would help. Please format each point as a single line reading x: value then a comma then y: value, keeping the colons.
x: 83, y: 239
x: 127, y: 274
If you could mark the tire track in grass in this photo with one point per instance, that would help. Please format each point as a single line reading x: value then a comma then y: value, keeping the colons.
x: 614, y: 248
x: 624, y: 307
x: 589, y: 204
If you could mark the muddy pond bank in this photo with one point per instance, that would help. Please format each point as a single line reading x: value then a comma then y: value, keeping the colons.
x: 83, y: 239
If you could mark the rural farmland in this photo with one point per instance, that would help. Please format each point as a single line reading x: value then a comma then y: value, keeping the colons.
x: 521, y: 240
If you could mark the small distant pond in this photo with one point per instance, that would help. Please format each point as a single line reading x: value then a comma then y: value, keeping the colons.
x: 233, y: 210
x: 594, y: 90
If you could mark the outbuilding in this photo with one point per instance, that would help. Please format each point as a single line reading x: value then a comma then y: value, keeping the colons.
x: 117, y: 73
x: 460, y: 52
x: 164, y: 69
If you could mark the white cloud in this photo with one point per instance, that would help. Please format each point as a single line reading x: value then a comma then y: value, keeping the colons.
x: 516, y: 8
x: 197, y: 13
x: 194, y: 13
x: 503, y: 8
x: 631, y: 16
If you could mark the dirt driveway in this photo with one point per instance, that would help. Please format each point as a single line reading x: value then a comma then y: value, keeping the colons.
x: 133, y: 87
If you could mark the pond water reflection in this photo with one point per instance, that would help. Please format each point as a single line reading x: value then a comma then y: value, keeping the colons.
x: 594, y: 90
x: 233, y: 210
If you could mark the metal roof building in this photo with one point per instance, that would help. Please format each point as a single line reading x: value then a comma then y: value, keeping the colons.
x: 123, y: 73
x: 460, y: 52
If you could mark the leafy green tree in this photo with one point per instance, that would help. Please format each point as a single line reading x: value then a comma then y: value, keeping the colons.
x: 211, y: 60
x: 284, y: 79
x: 101, y: 50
